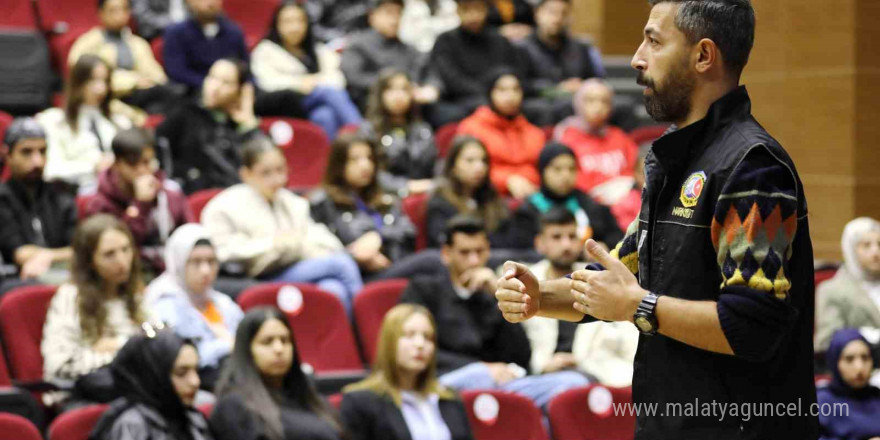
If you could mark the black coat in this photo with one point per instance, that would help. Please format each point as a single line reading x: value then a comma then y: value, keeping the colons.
x: 233, y: 420
x: 468, y: 330
x: 546, y: 67
x: 47, y: 219
x: 198, y: 150
x: 398, y: 232
x: 370, y: 416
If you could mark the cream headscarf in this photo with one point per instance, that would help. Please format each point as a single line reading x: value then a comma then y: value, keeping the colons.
x: 177, y: 250
x: 852, y: 233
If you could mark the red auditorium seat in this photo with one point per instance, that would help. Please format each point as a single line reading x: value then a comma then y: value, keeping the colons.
x: 548, y: 132
x: 71, y: 18
x: 586, y: 414
x: 335, y: 400
x: 516, y: 417
x: 650, y: 133
x: 253, y: 16
x: 322, y: 334
x: 823, y: 274
x: 305, y: 147
x: 16, y: 427
x: 443, y: 138
x: 199, y: 199
x: 416, y: 208
x: 154, y: 121
x: 82, y: 203
x: 22, y: 314
x: 5, y: 121
x: 157, y: 44
x: 370, y: 307
x: 76, y: 424
x: 206, y: 409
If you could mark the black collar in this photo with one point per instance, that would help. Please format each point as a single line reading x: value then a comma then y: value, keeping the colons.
x: 677, y: 146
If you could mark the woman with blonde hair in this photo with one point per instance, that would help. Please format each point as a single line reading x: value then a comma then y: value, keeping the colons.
x: 402, y: 398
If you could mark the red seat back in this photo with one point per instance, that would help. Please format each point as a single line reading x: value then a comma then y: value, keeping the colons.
x: 22, y: 314
x: 14, y: 426
x: 76, y: 424
x: 416, y: 208
x: 444, y: 136
x: 650, y: 133
x: 322, y: 334
x: 5, y: 379
x: 157, y: 45
x: 70, y: 19
x: 253, y: 16
x: 199, y: 199
x: 824, y: 274
x: 335, y: 400
x: 5, y: 121
x: 82, y: 205
x: 587, y: 413
x: 517, y: 417
x: 370, y: 307
x: 17, y: 14
x: 305, y: 147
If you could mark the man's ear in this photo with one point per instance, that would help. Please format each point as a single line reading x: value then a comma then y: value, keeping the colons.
x: 243, y: 173
x: 708, y: 55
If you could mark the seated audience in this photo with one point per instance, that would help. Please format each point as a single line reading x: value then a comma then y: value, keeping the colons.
x: 402, y: 399
x: 603, y: 350
x: 466, y: 189
x: 137, y: 193
x: 512, y: 142
x: 193, y: 47
x: 378, y: 48
x: 626, y: 210
x: 851, y: 298
x: 558, y: 177
x: 202, y: 139
x: 37, y: 218
x: 157, y: 379
x: 263, y: 392
x: 407, y: 142
x: 556, y: 64
x: 184, y: 298
x: 290, y: 59
x: 422, y: 21
x: 606, y: 155
x: 79, y: 135
x: 369, y: 222
x: 277, y: 240
x: 854, y: 400
x: 476, y: 347
x: 91, y: 318
x: 138, y: 79
x: 152, y: 17
x: 462, y: 58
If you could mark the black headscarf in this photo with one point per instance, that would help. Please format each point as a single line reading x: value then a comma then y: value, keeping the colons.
x: 551, y: 151
x: 492, y: 77
x: 142, y: 374
x: 838, y: 342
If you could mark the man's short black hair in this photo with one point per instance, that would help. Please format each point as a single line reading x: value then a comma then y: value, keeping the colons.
x: 101, y: 3
x: 557, y: 216
x: 462, y: 224
x: 729, y: 23
x: 129, y: 145
x: 375, y: 4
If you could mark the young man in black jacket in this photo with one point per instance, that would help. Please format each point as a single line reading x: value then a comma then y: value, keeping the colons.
x: 717, y: 271
x: 37, y: 219
x: 476, y: 348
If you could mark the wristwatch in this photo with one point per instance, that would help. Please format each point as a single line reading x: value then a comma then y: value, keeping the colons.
x: 644, y: 318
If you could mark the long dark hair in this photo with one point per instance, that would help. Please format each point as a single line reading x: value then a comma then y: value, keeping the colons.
x: 90, y: 291
x: 490, y: 206
x: 241, y: 376
x: 377, y: 114
x: 334, y: 179
x: 308, y: 42
x: 79, y: 76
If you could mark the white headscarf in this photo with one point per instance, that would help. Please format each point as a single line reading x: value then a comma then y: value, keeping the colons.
x: 177, y: 251
x: 852, y: 234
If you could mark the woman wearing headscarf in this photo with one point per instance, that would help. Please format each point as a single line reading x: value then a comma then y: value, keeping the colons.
x: 605, y: 154
x: 558, y: 168
x: 184, y: 297
x: 157, y: 379
x: 853, y: 404
x: 852, y: 297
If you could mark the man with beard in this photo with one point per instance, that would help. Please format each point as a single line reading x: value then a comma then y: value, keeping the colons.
x: 717, y: 271
x: 37, y: 219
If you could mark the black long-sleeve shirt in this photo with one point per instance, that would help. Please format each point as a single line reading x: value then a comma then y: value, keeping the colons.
x: 463, y: 60
x: 468, y: 330
x: 43, y: 217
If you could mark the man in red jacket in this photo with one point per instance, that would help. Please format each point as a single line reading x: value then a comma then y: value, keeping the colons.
x: 134, y: 190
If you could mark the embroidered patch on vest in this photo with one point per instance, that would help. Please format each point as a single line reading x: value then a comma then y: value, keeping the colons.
x: 692, y: 188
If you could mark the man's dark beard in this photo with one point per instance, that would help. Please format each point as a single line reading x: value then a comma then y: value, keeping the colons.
x: 672, y: 102
x: 563, y: 263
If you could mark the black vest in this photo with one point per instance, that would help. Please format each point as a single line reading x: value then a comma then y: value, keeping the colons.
x: 677, y: 258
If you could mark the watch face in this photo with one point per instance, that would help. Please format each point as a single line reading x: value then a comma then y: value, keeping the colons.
x: 643, y: 324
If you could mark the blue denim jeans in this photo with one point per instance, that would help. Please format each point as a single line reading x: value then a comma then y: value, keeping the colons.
x: 331, y: 109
